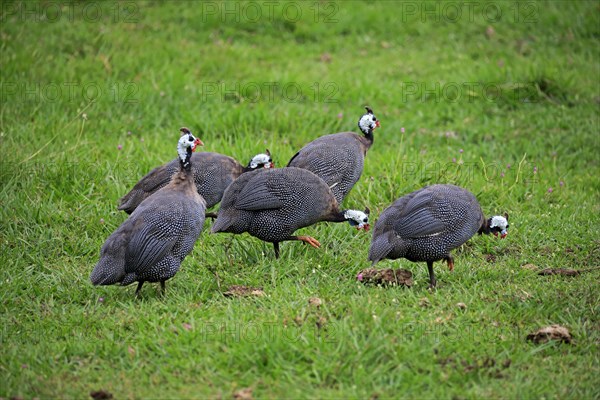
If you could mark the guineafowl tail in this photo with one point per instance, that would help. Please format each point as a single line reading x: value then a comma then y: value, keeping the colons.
x: 131, y: 200
x: 158, y: 178
x: 108, y: 271
x: 222, y: 223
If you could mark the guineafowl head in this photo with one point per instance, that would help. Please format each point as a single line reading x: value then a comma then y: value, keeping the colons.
x: 499, y: 225
x: 262, y: 160
x: 368, y: 122
x: 186, y: 145
x: 359, y: 219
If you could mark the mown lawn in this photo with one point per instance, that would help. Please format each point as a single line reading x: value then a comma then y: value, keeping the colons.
x: 499, y: 97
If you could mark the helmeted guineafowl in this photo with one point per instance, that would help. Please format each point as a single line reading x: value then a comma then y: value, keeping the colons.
x: 213, y: 172
x: 427, y: 224
x: 272, y: 204
x: 150, y: 245
x: 338, y: 158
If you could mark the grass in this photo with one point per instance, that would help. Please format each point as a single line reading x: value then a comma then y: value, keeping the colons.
x: 520, y: 90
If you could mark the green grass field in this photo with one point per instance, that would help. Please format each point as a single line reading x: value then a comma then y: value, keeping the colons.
x: 502, y: 98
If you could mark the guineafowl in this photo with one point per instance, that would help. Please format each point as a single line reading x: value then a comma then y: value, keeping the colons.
x: 212, y: 173
x: 427, y: 224
x: 271, y: 204
x: 338, y: 158
x: 151, y: 244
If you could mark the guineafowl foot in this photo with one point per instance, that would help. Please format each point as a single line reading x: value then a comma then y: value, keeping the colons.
x: 450, y: 262
x: 432, y: 281
x: 139, y: 287
x: 307, y: 239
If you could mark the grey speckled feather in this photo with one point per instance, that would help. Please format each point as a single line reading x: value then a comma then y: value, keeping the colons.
x: 272, y: 204
x: 426, y: 225
x: 213, y: 172
x: 338, y: 159
x: 150, y: 245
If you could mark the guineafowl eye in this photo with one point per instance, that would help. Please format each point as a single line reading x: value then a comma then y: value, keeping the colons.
x: 190, y: 138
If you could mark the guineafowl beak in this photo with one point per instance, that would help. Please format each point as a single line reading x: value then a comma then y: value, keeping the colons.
x: 377, y: 124
x: 197, y: 142
x: 503, y: 234
x: 366, y: 227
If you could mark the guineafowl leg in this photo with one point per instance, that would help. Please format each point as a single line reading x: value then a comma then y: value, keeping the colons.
x: 162, y: 287
x: 450, y: 261
x: 137, y: 291
x: 432, y: 281
x: 212, y: 215
x: 276, y: 247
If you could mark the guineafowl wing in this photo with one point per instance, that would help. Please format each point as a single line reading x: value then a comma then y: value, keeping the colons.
x: 420, y: 223
x: 154, y: 238
x: 258, y: 196
x: 331, y: 157
x: 335, y: 169
x: 269, y: 190
x: 338, y: 159
x: 150, y: 183
x: 158, y: 178
x: 420, y: 217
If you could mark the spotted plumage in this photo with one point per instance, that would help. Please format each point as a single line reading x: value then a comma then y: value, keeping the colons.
x: 427, y: 224
x: 151, y: 244
x: 338, y: 158
x: 212, y: 172
x: 272, y: 204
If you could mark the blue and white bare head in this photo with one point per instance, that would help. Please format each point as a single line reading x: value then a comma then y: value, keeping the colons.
x: 262, y: 160
x: 358, y: 219
x: 368, y: 122
x: 499, y: 225
x: 186, y: 146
